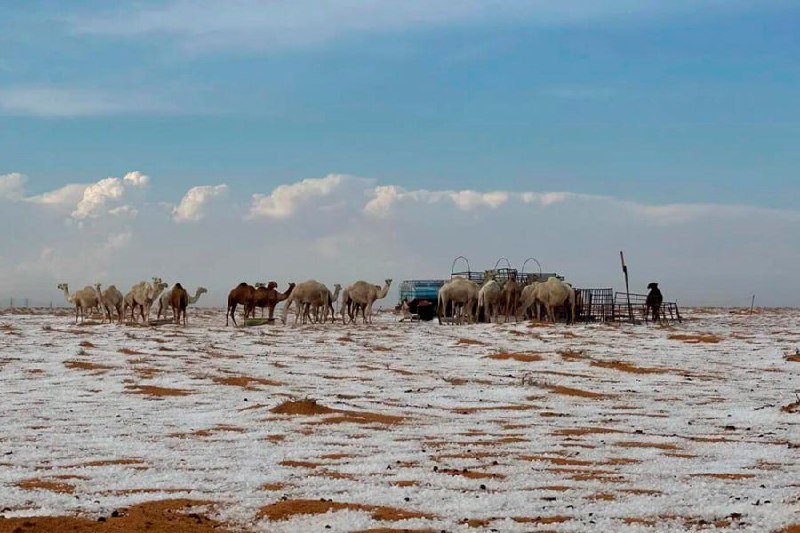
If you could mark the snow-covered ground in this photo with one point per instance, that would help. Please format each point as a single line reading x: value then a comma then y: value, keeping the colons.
x: 508, y: 427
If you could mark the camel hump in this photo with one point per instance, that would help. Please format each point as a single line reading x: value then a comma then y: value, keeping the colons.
x: 178, y: 286
x: 243, y: 284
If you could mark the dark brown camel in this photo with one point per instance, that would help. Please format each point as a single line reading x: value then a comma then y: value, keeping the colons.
x: 653, y: 302
x: 242, y: 295
x: 179, y: 301
x: 510, y: 297
x: 269, y: 297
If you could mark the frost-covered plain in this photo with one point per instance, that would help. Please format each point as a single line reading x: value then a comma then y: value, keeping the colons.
x: 511, y: 427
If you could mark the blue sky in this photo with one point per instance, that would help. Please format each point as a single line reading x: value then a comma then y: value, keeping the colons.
x: 658, y: 103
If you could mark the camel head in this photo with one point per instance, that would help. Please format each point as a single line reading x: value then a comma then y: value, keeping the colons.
x: 259, y: 285
x: 388, y: 282
x: 272, y: 285
x: 63, y: 287
x: 652, y: 286
x: 97, y: 287
x: 201, y: 290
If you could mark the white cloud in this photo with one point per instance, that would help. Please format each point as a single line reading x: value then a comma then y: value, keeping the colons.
x: 203, y: 25
x: 12, y: 186
x: 193, y: 205
x: 285, y: 200
x: 344, y: 228
x: 68, y: 195
x: 68, y: 102
x: 136, y: 179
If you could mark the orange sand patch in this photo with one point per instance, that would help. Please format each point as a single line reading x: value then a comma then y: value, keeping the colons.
x: 521, y: 357
x: 794, y: 358
x: 639, y: 521
x: 569, y: 391
x: 470, y: 342
x: 557, y: 460
x: 470, y: 474
x: 220, y: 428
x: 602, y: 496
x: 637, y: 444
x: 572, y: 356
x: 795, y: 528
x: 725, y: 476
x: 163, y: 516
x: 556, y: 488
x: 46, y: 484
x: 286, y: 509
x: 312, y: 408
x: 626, y: 367
x: 85, y: 365
x: 246, y: 382
x: 299, y: 464
x: 129, y: 351
x: 156, y: 392
x: 86, y: 344
x: 273, y: 486
x: 337, y: 456
x: 705, y: 338
x: 477, y: 522
x: 275, y: 438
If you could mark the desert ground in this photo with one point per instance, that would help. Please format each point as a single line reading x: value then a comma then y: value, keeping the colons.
x: 400, y: 426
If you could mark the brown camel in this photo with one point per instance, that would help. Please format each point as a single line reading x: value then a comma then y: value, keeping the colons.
x: 269, y: 297
x: 179, y: 301
x: 242, y: 295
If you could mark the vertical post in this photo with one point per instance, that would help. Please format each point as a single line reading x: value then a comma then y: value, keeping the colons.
x: 627, y: 286
x: 752, y: 304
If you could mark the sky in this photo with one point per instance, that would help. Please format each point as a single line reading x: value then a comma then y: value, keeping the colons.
x: 218, y: 142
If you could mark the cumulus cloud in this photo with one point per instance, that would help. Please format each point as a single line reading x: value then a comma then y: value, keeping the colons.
x: 285, y: 200
x: 345, y: 228
x: 192, y: 207
x: 136, y: 179
x: 12, y: 186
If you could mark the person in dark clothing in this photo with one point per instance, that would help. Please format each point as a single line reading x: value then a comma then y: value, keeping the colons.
x: 653, y: 302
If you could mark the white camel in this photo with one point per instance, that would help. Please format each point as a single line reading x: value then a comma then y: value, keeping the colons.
x: 462, y: 294
x: 553, y: 294
x: 489, y: 297
x: 364, y: 294
x: 142, y: 295
x: 83, y: 300
x: 164, y: 304
x: 309, y: 293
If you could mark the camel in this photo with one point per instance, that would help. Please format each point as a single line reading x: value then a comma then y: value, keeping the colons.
x: 269, y: 297
x: 332, y: 298
x: 83, y: 300
x: 179, y: 301
x: 309, y: 293
x: 243, y: 294
x: 164, y: 301
x: 142, y: 295
x: 527, y: 300
x: 364, y: 294
x: 510, y: 298
x: 462, y: 294
x: 110, y: 299
x: 489, y: 297
x: 554, y: 293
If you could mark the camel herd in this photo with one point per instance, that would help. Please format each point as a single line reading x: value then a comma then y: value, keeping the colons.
x: 313, y: 302
x: 141, y: 297
x: 467, y: 298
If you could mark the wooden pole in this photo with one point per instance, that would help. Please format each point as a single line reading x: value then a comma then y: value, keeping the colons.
x: 752, y: 304
x: 627, y: 286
